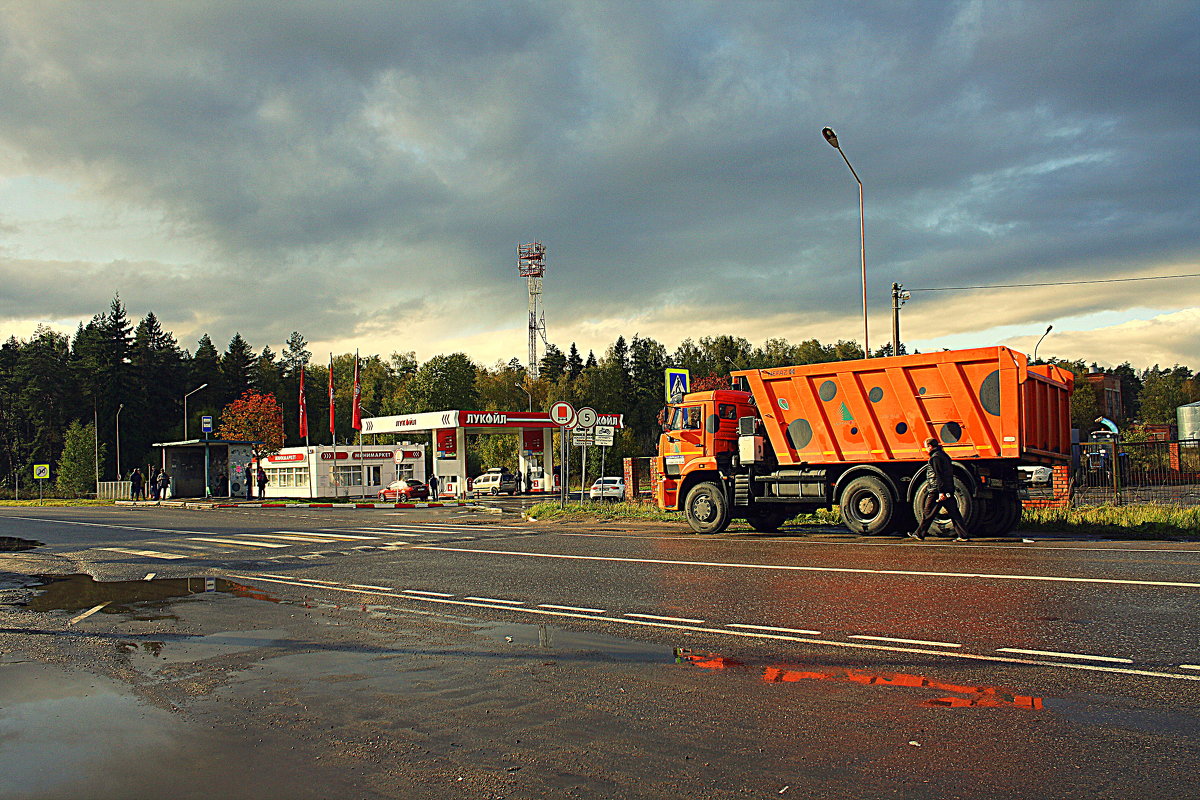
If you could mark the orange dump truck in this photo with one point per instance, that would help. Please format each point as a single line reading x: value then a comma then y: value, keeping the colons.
x: 850, y: 433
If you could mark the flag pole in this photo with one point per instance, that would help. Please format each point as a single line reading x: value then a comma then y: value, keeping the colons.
x: 356, y: 420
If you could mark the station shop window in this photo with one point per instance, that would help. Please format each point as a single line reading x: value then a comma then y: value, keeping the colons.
x: 285, y: 477
x: 405, y: 470
x: 353, y: 475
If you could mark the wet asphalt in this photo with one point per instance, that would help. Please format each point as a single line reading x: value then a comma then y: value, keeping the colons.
x: 464, y: 653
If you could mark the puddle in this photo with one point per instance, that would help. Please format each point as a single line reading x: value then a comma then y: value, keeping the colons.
x: 9, y: 544
x: 79, y: 592
x: 578, y: 645
x: 1102, y: 712
x: 148, y: 656
x: 961, y: 696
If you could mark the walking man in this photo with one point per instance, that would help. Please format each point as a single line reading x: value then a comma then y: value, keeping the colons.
x: 940, y: 495
x: 433, y: 487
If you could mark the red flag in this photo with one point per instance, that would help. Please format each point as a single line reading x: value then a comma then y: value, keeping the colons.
x: 356, y: 412
x: 303, y: 408
x: 332, y: 430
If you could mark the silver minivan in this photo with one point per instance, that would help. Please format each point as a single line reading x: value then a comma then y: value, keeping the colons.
x: 495, y: 481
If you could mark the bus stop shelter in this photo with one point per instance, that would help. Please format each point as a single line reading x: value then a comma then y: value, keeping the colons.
x: 208, y: 467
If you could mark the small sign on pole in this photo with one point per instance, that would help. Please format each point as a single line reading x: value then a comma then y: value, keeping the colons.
x: 206, y: 424
x: 678, y: 381
x: 602, y: 435
x: 41, y: 472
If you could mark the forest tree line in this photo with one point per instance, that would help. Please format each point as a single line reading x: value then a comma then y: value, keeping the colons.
x: 52, y: 383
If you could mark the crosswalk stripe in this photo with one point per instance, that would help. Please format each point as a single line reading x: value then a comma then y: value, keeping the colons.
x: 311, y: 539
x: 239, y: 542
x: 331, y: 535
x: 147, y: 553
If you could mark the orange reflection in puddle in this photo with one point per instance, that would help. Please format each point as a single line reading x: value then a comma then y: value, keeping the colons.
x: 968, y: 696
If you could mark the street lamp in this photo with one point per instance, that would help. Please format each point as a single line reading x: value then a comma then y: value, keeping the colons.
x: 831, y: 137
x: 1039, y: 341
x: 185, y: 397
x: 119, y: 440
x: 526, y: 391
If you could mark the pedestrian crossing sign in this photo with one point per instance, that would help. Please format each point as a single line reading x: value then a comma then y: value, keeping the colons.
x: 677, y: 384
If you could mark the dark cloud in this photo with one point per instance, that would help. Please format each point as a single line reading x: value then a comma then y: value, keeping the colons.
x: 346, y: 158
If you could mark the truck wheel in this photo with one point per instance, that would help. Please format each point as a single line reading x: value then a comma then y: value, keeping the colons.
x: 706, y: 508
x: 867, y: 505
x: 998, y: 515
x: 770, y: 520
x: 942, y: 526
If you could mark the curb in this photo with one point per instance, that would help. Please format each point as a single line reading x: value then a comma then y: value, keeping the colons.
x: 201, y: 504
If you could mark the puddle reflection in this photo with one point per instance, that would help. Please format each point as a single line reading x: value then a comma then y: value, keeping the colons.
x: 77, y: 592
x: 10, y: 544
x: 963, y: 696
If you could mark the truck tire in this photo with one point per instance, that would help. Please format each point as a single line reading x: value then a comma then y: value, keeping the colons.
x: 769, y: 520
x: 867, y: 506
x: 707, y: 508
x: 942, y: 526
x: 998, y: 515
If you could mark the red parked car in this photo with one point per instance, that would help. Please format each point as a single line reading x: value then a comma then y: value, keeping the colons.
x: 409, y: 489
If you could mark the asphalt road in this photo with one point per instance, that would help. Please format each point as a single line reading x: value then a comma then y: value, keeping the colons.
x: 446, y: 653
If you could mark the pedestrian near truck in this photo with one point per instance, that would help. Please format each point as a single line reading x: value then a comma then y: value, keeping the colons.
x: 940, y: 493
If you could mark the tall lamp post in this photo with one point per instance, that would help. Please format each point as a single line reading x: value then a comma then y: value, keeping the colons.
x: 185, y: 397
x: 1039, y: 341
x: 831, y: 137
x: 119, y: 408
x: 526, y: 391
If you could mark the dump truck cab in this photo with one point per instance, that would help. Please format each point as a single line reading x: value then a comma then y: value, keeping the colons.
x: 698, y: 443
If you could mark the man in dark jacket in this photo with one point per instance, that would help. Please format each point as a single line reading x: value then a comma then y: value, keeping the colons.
x: 941, y: 493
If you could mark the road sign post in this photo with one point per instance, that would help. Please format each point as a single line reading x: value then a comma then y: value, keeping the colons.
x: 562, y: 414
x: 41, y: 473
x: 678, y: 381
x: 585, y: 421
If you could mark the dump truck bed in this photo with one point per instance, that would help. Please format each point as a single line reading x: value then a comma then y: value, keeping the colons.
x: 982, y: 403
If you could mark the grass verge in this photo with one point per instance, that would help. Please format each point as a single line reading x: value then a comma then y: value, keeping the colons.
x: 55, y: 501
x: 648, y: 511
x: 1134, y: 521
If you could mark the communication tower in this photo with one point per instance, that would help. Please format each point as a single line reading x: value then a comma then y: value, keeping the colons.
x: 531, y: 264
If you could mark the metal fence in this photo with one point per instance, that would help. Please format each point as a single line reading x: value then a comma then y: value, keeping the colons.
x: 1137, y: 472
x: 114, y: 490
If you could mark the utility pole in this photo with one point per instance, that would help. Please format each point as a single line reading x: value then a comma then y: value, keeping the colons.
x: 898, y: 298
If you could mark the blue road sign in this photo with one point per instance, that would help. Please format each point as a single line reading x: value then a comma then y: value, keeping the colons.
x: 206, y: 424
x: 678, y: 381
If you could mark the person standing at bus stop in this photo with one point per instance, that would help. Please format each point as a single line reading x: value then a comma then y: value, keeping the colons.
x: 940, y: 493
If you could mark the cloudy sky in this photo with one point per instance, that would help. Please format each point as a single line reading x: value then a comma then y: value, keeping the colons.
x: 361, y: 172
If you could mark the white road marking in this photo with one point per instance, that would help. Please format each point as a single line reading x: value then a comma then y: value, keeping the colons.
x: 795, y: 540
x: 495, y: 600
x: 572, y: 608
x: 791, y: 567
x: 435, y: 597
x: 1189, y: 666
x: 329, y: 534
x: 1063, y: 655
x: 665, y: 619
x: 906, y: 641
x: 312, y: 539
x: 772, y: 628
x: 427, y: 594
x: 104, y: 525
x: 241, y: 542
x: 369, y: 586
x: 145, y: 553
x: 149, y: 576
x: 88, y: 613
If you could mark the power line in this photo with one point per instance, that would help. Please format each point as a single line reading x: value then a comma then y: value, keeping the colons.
x: 1053, y: 283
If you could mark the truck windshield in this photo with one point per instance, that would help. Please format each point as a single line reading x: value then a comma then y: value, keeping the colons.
x: 685, y: 418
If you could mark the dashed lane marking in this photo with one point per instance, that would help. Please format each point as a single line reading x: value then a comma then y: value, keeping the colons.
x: 1108, y: 659
x: 800, y: 568
x: 447, y: 599
x: 774, y: 629
x: 572, y: 608
x: 143, y: 553
x: 665, y: 619
x: 906, y: 641
x: 329, y: 534
x: 496, y: 600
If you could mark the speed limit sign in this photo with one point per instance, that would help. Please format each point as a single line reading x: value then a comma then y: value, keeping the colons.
x: 587, y: 417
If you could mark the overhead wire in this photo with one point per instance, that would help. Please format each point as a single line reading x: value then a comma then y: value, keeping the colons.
x: 1049, y: 283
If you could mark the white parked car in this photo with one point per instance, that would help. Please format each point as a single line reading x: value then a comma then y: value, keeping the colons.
x: 1036, y: 476
x: 608, y: 489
